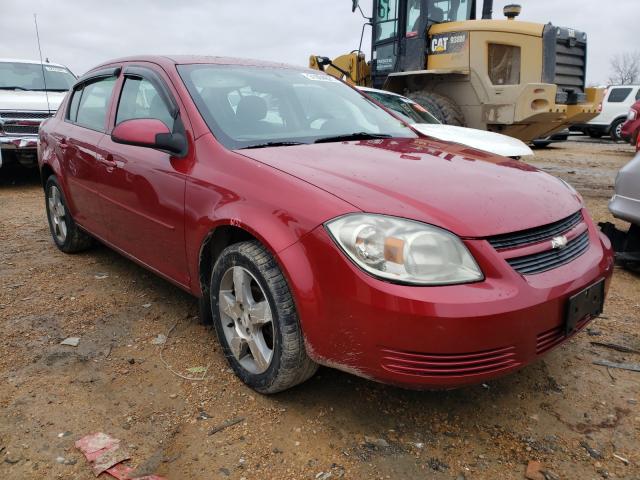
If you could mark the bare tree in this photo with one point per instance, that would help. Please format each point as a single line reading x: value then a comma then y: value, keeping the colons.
x: 625, y: 68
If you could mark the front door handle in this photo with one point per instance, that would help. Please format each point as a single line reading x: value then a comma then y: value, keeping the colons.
x: 63, y: 143
x: 108, y: 161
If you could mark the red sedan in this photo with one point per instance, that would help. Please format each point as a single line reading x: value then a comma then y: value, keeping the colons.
x: 631, y: 128
x: 316, y: 228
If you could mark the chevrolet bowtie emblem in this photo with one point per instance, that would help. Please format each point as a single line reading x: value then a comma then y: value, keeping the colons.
x: 559, y: 242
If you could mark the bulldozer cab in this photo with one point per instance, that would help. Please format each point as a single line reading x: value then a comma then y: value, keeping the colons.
x: 399, y: 42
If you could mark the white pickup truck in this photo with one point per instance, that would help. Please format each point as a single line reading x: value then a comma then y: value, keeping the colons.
x: 25, y: 103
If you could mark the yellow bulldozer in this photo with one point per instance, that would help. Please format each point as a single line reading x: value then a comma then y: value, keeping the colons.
x: 523, y: 79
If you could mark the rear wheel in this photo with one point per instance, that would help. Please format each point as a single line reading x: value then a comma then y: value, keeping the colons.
x: 441, y: 107
x: 65, y: 232
x: 256, y: 320
x: 616, y: 129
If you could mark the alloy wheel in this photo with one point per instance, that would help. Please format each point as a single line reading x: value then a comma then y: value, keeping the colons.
x: 57, y: 214
x: 247, y: 319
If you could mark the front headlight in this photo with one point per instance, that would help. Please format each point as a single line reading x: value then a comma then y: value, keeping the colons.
x: 404, y: 250
x: 632, y: 115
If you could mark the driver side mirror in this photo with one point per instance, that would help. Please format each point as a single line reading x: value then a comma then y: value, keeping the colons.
x: 150, y: 133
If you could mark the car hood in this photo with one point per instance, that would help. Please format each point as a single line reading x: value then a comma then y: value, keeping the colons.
x: 17, y: 100
x: 471, y: 193
x: 480, y: 139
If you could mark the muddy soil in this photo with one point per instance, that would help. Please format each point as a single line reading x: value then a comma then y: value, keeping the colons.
x: 333, y: 426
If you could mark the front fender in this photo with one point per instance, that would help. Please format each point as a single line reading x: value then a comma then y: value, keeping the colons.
x: 230, y: 189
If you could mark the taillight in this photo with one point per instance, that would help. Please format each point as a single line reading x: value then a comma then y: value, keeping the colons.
x: 632, y: 115
x: 600, y: 107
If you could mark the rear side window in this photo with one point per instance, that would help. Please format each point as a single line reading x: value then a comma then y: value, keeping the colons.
x: 618, y: 95
x: 89, y: 104
x: 504, y: 64
x: 140, y: 99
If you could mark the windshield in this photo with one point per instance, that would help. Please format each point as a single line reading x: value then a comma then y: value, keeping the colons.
x: 28, y: 76
x: 248, y: 106
x: 409, y: 111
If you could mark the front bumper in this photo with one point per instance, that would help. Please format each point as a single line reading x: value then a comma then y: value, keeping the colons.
x: 434, y: 337
x: 10, y: 146
x: 625, y: 208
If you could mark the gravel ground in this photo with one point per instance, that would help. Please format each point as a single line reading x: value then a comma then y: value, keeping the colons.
x: 555, y: 411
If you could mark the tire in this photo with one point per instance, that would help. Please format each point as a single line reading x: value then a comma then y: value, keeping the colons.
x: 265, y: 348
x: 441, y: 107
x: 616, y: 129
x: 66, y: 234
x: 595, y: 133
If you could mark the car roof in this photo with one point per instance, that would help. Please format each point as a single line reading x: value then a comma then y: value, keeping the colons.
x: 34, y: 62
x: 172, y: 60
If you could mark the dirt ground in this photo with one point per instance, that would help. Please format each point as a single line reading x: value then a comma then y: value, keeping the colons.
x: 335, y: 425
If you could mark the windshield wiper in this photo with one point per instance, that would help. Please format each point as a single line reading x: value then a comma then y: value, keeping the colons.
x: 14, y: 88
x: 273, y: 144
x: 353, y: 136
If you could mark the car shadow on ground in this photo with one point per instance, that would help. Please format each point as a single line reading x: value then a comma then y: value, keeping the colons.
x: 12, y: 176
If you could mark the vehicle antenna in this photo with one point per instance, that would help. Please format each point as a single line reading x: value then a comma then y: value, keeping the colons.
x: 44, y: 77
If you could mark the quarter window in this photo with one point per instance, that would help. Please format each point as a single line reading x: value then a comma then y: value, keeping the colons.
x: 504, y: 64
x: 93, y: 104
x: 618, y: 95
x: 140, y: 99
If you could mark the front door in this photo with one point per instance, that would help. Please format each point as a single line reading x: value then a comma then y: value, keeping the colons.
x: 143, y: 187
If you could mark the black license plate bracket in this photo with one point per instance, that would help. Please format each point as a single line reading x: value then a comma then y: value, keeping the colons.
x: 586, y: 303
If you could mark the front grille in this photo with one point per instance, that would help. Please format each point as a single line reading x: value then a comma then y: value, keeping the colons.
x: 24, y: 115
x: 547, y: 260
x: 20, y: 129
x: 570, y: 66
x: 449, y: 365
x: 535, y: 235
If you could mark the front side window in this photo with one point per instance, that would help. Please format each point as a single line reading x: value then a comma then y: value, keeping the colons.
x: 504, y: 64
x: 619, y: 95
x: 140, y: 99
x: 29, y: 76
x: 93, y: 104
x: 248, y: 106
x: 386, y: 19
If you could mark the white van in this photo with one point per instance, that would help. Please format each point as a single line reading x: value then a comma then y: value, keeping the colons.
x: 613, y: 112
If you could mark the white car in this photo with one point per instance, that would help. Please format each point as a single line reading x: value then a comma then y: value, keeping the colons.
x: 25, y: 103
x: 427, y: 124
x: 613, y: 112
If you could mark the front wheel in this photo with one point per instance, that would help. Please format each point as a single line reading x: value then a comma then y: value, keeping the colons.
x: 256, y: 320
x: 65, y: 232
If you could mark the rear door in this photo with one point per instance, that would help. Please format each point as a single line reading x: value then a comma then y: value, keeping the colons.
x: 144, y: 188
x: 83, y: 128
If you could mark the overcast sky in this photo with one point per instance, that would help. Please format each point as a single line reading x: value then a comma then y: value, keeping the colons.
x: 83, y: 33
